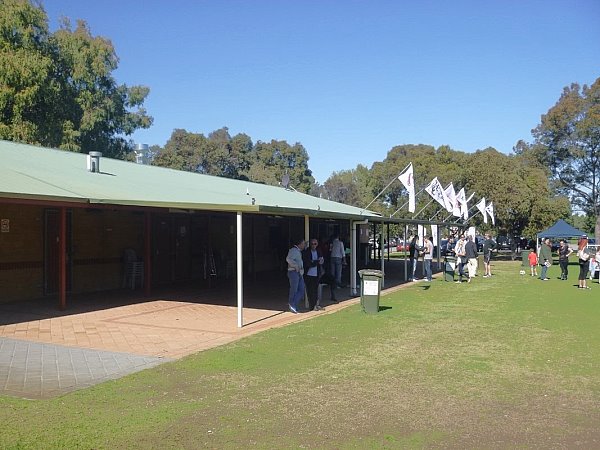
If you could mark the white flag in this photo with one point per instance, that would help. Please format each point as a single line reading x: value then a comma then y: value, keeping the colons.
x: 481, y: 208
x: 406, y: 178
x: 420, y: 232
x: 434, y: 234
x: 452, y: 196
x: 462, y: 199
x: 436, y: 191
x: 490, y: 210
x: 471, y: 232
x: 467, y: 205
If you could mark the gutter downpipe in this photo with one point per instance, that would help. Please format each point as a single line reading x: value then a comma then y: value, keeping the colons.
x: 306, y: 227
x: 353, y: 256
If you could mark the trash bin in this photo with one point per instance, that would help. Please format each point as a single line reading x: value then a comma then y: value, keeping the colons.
x: 449, y: 268
x: 525, y: 258
x: 370, y: 289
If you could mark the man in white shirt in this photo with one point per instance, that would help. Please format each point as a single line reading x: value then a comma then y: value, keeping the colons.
x: 428, y: 257
x: 295, y: 274
x: 338, y: 253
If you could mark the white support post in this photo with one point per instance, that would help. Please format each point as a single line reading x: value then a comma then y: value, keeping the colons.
x: 382, y: 248
x: 240, y: 277
x: 353, y: 256
x: 353, y: 260
x: 405, y: 252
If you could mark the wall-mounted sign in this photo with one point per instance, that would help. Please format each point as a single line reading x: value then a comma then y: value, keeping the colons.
x: 4, y: 225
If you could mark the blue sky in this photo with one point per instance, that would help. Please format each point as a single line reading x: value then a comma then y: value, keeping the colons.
x: 348, y: 79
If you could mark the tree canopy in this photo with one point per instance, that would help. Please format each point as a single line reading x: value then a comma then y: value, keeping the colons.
x: 57, y: 89
x: 567, y: 142
x: 237, y: 157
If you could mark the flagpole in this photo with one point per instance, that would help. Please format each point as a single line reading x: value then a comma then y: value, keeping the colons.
x: 405, y: 203
x: 470, y: 217
x: 415, y: 216
x: 383, y: 190
x: 435, y: 215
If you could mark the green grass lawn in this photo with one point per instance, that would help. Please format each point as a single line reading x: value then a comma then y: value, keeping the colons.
x: 504, y: 362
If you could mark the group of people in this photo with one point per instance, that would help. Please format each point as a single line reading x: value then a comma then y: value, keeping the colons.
x: 466, y: 253
x: 466, y: 256
x: 319, y: 263
x: 587, y: 262
x: 415, y: 251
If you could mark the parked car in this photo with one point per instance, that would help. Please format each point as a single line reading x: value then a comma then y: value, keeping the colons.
x: 401, y: 247
x: 479, y: 241
x: 504, y: 243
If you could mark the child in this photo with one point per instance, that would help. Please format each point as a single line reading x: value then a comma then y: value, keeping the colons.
x: 533, y: 261
x: 594, y: 266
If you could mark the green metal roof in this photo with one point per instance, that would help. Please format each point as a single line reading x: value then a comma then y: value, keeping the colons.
x: 37, y: 173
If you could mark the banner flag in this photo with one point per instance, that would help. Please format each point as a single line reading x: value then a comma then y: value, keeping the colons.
x: 454, y: 201
x: 481, y: 208
x: 406, y: 178
x: 490, y: 210
x: 436, y: 191
x: 462, y: 199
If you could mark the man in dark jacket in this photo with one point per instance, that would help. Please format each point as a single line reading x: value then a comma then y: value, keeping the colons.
x: 489, y: 245
x: 545, y: 259
x: 471, y: 254
x: 413, y: 254
x: 313, y: 269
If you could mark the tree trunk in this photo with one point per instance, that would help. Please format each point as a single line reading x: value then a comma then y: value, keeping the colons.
x: 597, y: 229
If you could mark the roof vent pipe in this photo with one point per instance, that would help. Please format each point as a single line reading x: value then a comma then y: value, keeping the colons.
x: 93, y: 162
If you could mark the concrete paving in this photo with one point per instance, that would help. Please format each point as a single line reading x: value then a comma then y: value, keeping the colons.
x: 33, y: 370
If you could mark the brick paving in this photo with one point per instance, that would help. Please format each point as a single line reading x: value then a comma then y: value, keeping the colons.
x: 45, y: 352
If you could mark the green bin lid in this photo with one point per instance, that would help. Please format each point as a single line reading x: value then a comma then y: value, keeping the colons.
x: 370, y: 272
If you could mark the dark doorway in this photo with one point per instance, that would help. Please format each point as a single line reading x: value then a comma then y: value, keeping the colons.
x: 52, y: 248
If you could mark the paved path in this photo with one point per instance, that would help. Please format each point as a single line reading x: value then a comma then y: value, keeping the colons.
x: 46, y: 353
x: 34, y: 370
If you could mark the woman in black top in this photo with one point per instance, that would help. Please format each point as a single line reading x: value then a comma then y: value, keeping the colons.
x: 584, y: 262
x: 563, y: 259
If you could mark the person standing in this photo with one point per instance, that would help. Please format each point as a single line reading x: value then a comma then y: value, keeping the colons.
x: 563, y: 259
x: 489, y: 245
x: 461, y: 257
x: 533, y: 262
x: 584, y: 259
x: 295, y: 274
x: 413, y: 256
x: 312, y: 261
x: 471, y: 255
x: 337, y: 255
x: 428, y: 257
x: 545, y: 259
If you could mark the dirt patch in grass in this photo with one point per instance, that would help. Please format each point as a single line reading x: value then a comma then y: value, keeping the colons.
x: 399, y: 411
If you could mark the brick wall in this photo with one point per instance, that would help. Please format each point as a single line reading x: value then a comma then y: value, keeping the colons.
x: 21, y: 253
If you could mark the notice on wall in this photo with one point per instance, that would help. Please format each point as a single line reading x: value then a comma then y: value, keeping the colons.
x: 370, y: 287
x: 4, y: 225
